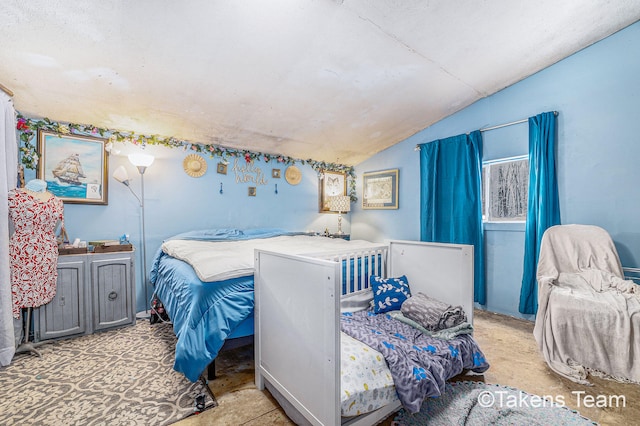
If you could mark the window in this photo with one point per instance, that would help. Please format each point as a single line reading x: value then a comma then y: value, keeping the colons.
x: 505, y: 189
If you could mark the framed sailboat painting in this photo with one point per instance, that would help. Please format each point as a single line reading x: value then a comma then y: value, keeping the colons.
x: 75, y: 167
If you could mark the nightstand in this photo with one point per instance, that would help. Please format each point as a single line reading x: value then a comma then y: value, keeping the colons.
x: 343, y: 236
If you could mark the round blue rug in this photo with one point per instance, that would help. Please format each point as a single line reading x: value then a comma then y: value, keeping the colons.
x: 478, y: 403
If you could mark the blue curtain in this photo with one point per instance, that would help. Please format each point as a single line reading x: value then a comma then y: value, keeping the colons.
x: 451, y: 197
x: 543, y: 210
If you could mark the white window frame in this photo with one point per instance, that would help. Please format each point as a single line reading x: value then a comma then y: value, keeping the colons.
x: 487, y: 217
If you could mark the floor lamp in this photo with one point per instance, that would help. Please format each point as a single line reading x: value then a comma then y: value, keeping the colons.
x: 141, y: 161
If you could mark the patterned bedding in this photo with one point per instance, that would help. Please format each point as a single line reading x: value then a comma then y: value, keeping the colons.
x: 365, y: 380
x: 419, y: 364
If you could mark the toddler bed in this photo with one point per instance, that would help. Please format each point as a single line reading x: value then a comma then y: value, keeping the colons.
x: 302, y: 355
x: 205, y: 282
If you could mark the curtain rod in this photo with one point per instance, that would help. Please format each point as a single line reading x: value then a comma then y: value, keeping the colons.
x: 499, y: 126
x: 6, y: 90
x: 486, y: 129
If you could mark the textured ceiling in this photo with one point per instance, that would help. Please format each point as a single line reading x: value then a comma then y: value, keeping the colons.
x: 329, y: 80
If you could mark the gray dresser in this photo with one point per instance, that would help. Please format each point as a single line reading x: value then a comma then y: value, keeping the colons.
x: 94, y: 292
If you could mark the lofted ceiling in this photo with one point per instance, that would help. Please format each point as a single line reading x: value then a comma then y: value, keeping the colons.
x: 333, y: 81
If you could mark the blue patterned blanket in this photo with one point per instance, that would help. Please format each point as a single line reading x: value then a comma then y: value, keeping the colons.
x: 420, y: 365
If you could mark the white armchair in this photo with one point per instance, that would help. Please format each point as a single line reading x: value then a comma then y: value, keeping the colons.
x: 588, y: 318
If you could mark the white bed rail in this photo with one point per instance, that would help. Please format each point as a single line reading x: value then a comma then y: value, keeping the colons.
x: 632, y: 274
x: 440, y: 270
x: 357, y: 266
x: 297, y: 314
x: 297, y: 339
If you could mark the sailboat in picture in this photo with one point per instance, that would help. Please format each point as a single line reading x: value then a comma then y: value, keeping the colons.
x: 69, y: 170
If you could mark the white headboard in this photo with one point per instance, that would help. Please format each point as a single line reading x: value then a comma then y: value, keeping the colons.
x: 441, y: 271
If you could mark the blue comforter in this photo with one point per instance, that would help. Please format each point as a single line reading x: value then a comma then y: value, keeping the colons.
x: 204, y: 315
x: 420, y: 365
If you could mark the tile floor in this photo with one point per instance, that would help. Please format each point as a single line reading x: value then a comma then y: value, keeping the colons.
x: 508, y: 345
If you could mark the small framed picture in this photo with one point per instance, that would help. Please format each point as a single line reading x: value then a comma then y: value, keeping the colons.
x: 331, y: 184
x: 380, y: 190
x: 275, y: 173
x: 222, y: 168
x: 74, y: 167
x: 252, y: 191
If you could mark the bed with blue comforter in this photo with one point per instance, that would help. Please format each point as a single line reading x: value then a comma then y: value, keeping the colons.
x: 210, y: 304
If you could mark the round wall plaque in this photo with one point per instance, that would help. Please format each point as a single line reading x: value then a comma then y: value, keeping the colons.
x: 194, y: 165
x: 292, y: 175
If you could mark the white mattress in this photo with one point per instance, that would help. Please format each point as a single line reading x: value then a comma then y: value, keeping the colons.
x: 365, y: 380
x: 223, y: 260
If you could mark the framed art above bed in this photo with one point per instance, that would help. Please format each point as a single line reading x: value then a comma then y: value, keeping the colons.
x: 331, y: 184
x: 380, y: 189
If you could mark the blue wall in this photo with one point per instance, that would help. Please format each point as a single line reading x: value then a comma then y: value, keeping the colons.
x: 597, y: 93
x: 176, y: 202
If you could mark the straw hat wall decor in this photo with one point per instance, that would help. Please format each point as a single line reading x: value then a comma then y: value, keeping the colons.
x: 194, y: 165
x: 292, y: 175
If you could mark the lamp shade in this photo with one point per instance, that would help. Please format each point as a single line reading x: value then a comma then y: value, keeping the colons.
x: 120, y: 174
x: 141, y: 159
x: 340, y: 203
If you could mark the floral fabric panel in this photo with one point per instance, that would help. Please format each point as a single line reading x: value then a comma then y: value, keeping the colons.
x: 33, y: 249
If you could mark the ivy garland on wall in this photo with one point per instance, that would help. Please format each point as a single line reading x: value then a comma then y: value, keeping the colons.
x: 28, y: 128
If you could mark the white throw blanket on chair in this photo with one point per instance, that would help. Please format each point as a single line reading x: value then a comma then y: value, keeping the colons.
x: 588, y: 316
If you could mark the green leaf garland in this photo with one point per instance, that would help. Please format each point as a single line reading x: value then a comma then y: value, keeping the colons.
x: 28, y: 128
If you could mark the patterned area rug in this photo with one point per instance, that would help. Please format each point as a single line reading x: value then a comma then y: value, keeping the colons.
x: 480, y: 404
x: 119, y: 377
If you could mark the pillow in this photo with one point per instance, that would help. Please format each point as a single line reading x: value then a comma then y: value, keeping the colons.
x: 357, y: 301
x: 389, y: 294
